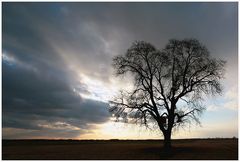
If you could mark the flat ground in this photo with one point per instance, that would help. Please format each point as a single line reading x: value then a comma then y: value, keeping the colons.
x: 200, y: 149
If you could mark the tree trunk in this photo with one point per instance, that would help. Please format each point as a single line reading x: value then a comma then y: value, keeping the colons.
x: 167, y: 140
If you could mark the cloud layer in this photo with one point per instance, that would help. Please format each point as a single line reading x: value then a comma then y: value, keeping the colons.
x: 41, y: 100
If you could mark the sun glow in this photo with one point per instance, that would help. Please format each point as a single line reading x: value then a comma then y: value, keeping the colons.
x: 96, y: 89
x: 107, y: 89
x: 118, y: 130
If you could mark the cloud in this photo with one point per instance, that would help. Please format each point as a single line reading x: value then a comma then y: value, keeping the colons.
x: 228, y: 101
x: 19, y: 133
x: 231, y: 97
x: 38, y: 82
x: 212, y: 107
x: 40, y: 100
x: 85, y: 36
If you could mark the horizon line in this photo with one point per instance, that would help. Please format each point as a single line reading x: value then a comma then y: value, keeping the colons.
x: 116, y: 139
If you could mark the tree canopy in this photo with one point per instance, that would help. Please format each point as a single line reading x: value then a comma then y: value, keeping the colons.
x: 183, y: 70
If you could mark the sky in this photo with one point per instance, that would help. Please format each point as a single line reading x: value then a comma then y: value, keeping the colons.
x: 57, y: 74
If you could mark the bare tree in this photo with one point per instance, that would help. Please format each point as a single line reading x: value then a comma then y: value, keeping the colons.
x: 163, y: 80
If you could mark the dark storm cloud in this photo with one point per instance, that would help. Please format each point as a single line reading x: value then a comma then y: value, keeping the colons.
x: 41, y: 134
x: 34, y: 97
x: 51, y: 43
x: 37, y: 86
x: 88, y: 34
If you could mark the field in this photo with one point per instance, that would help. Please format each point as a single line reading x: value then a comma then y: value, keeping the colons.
x: 199, y: 149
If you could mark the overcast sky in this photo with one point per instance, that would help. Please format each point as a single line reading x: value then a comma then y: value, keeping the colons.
x: 56, y: 64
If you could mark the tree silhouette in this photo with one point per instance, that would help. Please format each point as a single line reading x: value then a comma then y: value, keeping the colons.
x: 169, y: 84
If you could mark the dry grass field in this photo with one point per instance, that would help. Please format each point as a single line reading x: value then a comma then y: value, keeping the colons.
x: 194, y: 149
